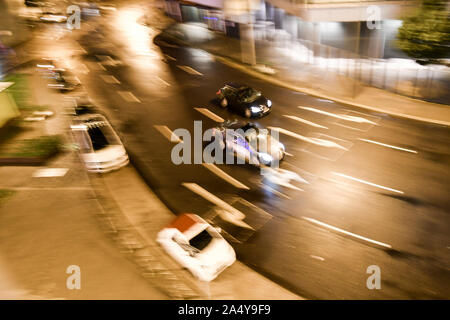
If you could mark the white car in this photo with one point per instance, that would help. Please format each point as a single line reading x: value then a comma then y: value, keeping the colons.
x: 197, y: 246
x: 100, y: 147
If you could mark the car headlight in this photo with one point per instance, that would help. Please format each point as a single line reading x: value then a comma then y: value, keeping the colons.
x: 255, y: 109
x: 269, y: 103
x: 265, y: 158
x: 281, y: 146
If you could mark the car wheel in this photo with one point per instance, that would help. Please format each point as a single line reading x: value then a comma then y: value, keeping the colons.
x: 248, y: 113
x: 224, y: 102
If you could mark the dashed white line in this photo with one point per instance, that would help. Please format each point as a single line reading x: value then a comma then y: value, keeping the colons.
x: 128, y: 96
x: 322, y: 224
x: 50, y: 172
x: 304, y: 121
x: 109, y: 79
x: 163, y: 81
x: 190, y: 70
x: 316, y: 141
x: 317, y: 257
x: 168, y: 134
x: 387, y: 145
x: 170, y: 57
x: 340, y: 116
x: 100, y: 65
x: 229, y: 213
x: 214, y: 169
x: 366, y: 182
x: 210, y: 114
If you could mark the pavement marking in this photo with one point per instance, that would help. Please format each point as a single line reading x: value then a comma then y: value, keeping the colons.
x: 316, y: 141
x: 366, y: 182
x: 317, y: 257
x: 229, y: 213
x: 327, y: 226
x: 170, y: 57
x: 83, y: 68
x: 50, y: 172
x: 214, y: 169
x: 163, y: 81
x: 387, y: 145
x: 210, y: 114
x: 109, y: 79
x: 325, y: 100
x: 190, y: 70
x: 128, y: 96
x: 166, y: 132
x: 278, y: 193
x: 304, y: 121
x: 99, y: 64
x: 341, y: 116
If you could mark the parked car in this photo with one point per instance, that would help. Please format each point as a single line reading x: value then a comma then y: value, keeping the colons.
x: 243, y: 100
x: 197, y: 246
x: 100, y: 147
x: 250, y: 142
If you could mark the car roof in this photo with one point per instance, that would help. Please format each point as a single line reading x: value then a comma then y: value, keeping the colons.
x: 189, y: 224
x: 236, y: 85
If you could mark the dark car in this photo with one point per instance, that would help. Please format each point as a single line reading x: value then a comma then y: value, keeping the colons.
x: 243, y: 100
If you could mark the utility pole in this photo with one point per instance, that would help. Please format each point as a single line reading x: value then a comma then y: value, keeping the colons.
x: 358, y: 33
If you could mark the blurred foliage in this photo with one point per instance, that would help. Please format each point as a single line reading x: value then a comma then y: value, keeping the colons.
x: 20, y: 90
x: 426, y: 34
x: 42, y: 147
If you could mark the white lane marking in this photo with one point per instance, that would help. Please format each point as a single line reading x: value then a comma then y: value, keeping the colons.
x: 128, y: 96
x: 170, y: 57
x: 50, y: 172
x: 101, y: 66
x: 304, y: 121
x: 83, y: 68
x: 387, y: 145
x: 228, y: 213
x: 366, y: 182
x: 317, y: 257
x: 340, y: 116
x: 214, y: 169
x: 168, y: 134
x: 109, y: 79
x: 163, y: 81
x: 190, y: 70
x: 325, y: 100
x: 278, y: 193
x: 210, y: 114
x: 316, y: 141
x: 322, y: 224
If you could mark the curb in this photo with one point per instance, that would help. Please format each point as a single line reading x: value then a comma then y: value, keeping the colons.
x: 311, y: 92
x: 138, y: 249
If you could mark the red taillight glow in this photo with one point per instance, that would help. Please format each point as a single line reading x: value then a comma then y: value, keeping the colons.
x: 218, y: 92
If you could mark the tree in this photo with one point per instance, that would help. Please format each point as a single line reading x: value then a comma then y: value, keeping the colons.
x: 425, y: 35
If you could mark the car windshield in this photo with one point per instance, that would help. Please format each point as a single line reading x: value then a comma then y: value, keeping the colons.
x: 249, y: 94
x: 101, y: 135
x: 201, y: 240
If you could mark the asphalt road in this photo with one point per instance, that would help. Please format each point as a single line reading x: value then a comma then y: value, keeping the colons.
x: 387, y: 182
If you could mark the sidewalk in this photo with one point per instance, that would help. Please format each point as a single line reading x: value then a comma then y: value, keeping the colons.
x: 306, y: 78
x: 134, y: 210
